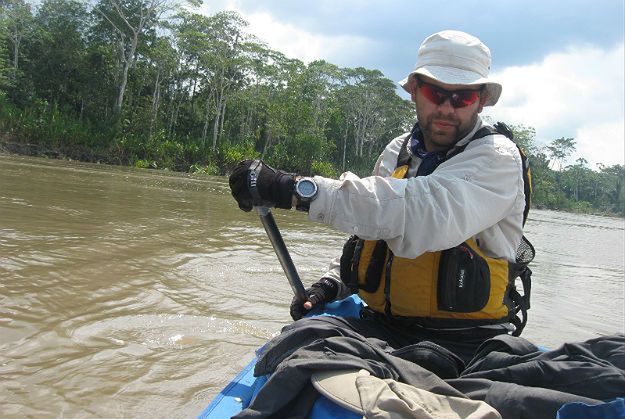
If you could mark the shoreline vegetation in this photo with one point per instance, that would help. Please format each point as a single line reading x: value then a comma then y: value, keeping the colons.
x: 154, y: 84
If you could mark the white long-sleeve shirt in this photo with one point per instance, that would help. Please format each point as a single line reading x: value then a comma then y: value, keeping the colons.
x: 477, y: 193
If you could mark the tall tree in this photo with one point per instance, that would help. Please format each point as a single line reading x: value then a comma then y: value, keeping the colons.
x: 188, y: 40
x: 577, y: 178
x: 16, y: 19
x: 613, y: 185
x: 130, y: 20
x: 525, y: 138
x: 58, y: 53
x: 560, y: 150
x: 4, y: 58
x: 162, y: 61
x: 370, y: 102
x: 223, y: 62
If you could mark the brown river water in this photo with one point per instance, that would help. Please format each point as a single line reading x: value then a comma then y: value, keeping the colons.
x: 127, y: 292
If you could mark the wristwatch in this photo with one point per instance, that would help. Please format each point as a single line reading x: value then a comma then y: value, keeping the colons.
x: 305, y: 192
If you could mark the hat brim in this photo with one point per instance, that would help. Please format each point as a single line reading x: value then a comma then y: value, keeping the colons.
x: 459, y: 77
x: 339, y: 386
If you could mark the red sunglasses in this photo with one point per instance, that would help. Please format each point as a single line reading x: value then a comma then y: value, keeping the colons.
x: 457, y: 98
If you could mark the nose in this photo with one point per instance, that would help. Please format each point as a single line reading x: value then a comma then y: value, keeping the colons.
x: 446, y: 107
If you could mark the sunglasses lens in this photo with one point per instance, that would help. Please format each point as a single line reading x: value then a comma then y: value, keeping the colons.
x: 458, y: 99
x: 433, y: 94
x: 463, y: 98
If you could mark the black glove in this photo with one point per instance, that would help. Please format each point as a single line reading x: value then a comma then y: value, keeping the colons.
x: 253, y: 183
x: 323, y: 292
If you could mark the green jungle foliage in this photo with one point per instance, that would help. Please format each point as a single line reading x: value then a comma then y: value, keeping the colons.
x: 153, y: 84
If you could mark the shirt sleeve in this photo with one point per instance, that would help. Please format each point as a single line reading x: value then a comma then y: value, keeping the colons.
x: 465, y: 195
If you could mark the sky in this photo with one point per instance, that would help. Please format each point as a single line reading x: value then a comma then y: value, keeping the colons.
x: 561, y: 62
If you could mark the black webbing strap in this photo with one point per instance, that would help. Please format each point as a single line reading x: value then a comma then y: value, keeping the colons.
x: 404, y: 156
x: 518, y: 322
x: 252, y: 180
x: 521, y: 304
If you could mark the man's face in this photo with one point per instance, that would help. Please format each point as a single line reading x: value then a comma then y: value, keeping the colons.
x: 443, y: 125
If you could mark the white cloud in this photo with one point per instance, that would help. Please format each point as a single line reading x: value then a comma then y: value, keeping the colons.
x: 295, y: 42
x: 577, y: 93
x: 603, y: 142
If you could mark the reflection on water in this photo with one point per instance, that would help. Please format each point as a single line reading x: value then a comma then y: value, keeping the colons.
x: 131, y: 292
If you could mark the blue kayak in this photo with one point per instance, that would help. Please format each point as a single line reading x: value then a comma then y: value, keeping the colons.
x: 239, y: 393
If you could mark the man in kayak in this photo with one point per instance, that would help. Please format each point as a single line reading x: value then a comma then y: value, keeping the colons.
x: 438, y: 228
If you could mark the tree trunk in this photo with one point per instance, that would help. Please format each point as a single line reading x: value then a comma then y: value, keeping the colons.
x: 345, y: 147
x: 356, y: 135
x: 267, y: 143
x: 206, y: 119
x: 246, y: 129
x: 155, y: 101
x: 218, y: 107
x: 197, y: 66
x: 223, y: 117
x: 172, y: 109
x: 360, y: 132
x: 16, y: 56
x: 128, y: 60
x: 174, y: 120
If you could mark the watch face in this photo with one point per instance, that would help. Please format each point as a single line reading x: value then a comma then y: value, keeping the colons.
x: 306, y: 188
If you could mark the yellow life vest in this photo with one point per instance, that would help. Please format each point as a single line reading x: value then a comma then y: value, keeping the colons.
x: 457, y: 287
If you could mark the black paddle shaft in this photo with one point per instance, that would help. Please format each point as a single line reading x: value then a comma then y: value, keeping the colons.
x: 266, y: 217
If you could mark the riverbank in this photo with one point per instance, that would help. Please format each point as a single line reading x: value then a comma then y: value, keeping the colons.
x: 88, y: 156
x: 10, y: 145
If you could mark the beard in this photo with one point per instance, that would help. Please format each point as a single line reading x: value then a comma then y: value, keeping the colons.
x: 439, y: 132
x: 442, y: 132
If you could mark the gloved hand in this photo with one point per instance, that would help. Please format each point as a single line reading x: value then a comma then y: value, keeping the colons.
x: 321, y: 292
x: 253, y: 183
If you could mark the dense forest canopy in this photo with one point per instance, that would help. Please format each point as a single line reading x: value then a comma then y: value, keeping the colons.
x: 153, y: 83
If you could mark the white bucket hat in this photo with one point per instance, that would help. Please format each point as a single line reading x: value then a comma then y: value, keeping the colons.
x: 454, y: 57
x: 360, y: 392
